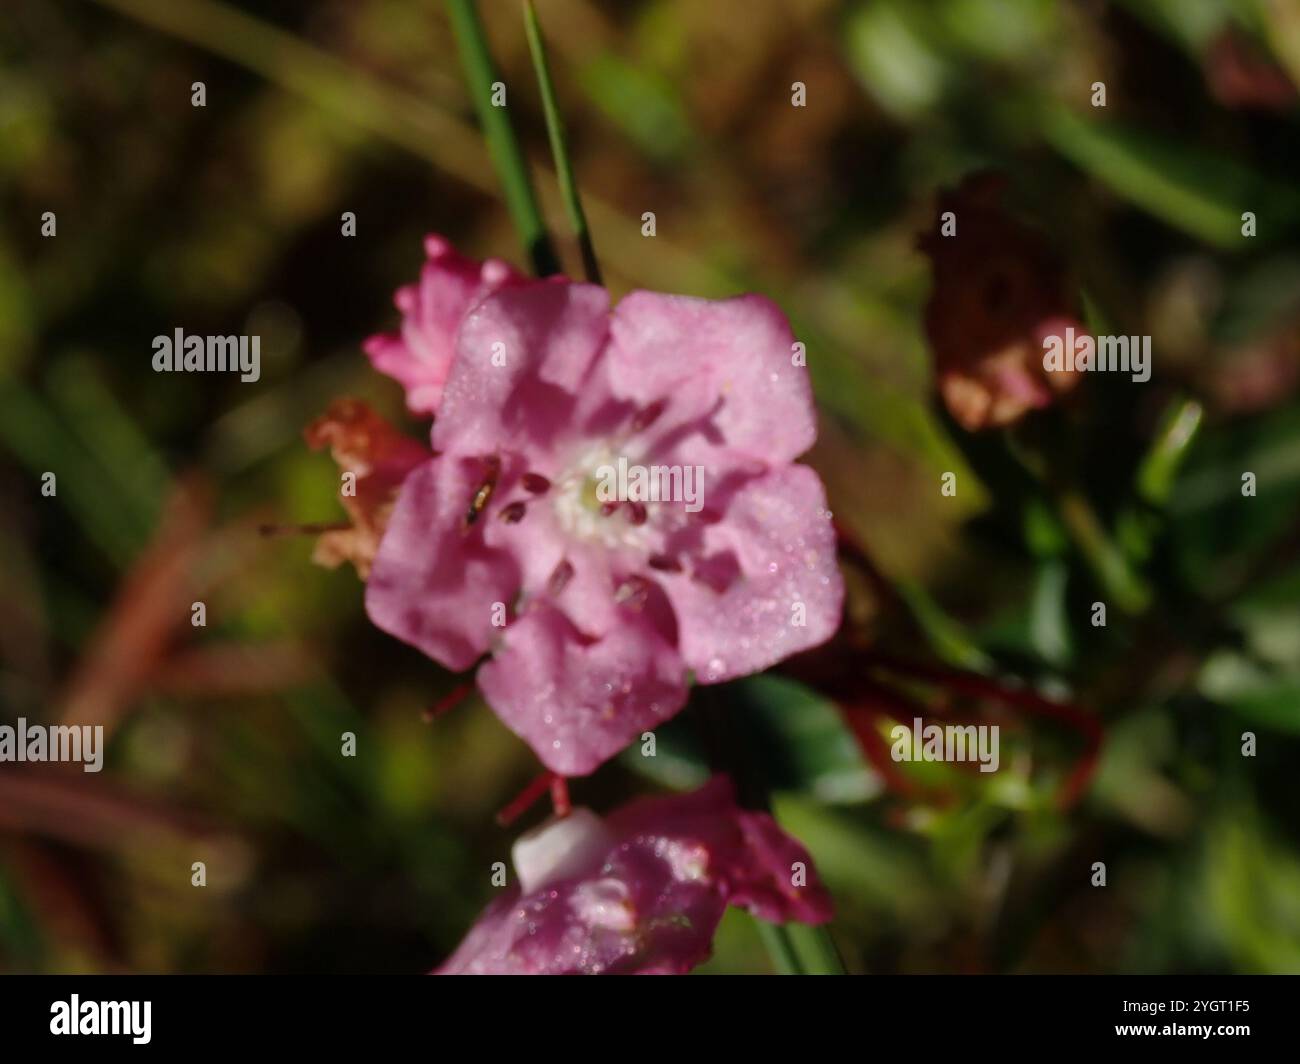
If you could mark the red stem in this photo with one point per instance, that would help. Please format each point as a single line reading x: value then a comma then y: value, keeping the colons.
x: 449, y: 701
x: 560, y: 796
x: 524, y: 800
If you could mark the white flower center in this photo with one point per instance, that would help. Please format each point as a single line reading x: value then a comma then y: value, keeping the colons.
x: 584, y: 515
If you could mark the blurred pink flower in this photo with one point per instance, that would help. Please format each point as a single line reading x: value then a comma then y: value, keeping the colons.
x: 594, y: 610
x: 641, y: 892
x: 999, y: 291
x: 419, y: 355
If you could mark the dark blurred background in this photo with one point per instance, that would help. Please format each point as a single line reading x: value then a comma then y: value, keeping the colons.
x: 224, y: 740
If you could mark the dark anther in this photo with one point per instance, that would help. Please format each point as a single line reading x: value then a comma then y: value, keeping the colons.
x: 647, y: 417
x: 560, y: 578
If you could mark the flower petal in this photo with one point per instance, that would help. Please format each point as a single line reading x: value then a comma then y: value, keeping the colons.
x: 521, y: 355
x: 434, y: 583
x: 746, y: 854
x: 577, y: 701
x: 765, y: 584
x: 724, y: 367
x: 648, y: 900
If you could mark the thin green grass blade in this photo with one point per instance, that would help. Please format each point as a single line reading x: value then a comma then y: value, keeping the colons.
x: 506, y: 154
x: 815, y: 949
x: 1175, y: 436
x: 559, y: 145
x: 776, y: 938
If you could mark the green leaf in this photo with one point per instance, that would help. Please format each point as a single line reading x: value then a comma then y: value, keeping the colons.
x: 1267, y: 696
x: 1218, y: 532
x: 1259, y: 301
x: 679, y: 761
x: 1251, y: 893
x: 883, y: 870
x: 41, y: 441
x: 1203, y: 194
x: 1049, y: 625
x: 642, y: 104
x: 1263, y: 681
x: 798, y: 738
x: 801, y: 739
x: 891, y: 50
x: 1159, y: 466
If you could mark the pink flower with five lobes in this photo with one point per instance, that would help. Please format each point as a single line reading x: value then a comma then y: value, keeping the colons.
x: 595, y: 612
x: 640, y: 892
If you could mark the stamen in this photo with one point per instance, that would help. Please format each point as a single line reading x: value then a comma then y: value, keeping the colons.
x: 536, y: 483
x: 633, y: 592
x: 521, y: 803
x: 607, y: 508
x: 647, y: 417
x: 484, y: 494
x: 638, y: 512
x: 664, y: 563
x: 514, y: 513
x: 560, y: 577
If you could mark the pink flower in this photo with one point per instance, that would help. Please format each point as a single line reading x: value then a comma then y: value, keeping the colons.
x: 596, y: 606
x: 641, y: 892
x: 419, y: 356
